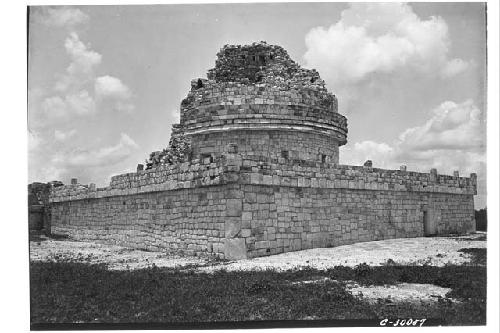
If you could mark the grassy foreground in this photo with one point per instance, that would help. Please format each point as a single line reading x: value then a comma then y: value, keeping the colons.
x: 75, y: 292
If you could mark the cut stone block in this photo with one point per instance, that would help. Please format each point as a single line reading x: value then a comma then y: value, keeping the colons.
x: 235, y: 248
x: 234, y: 207
x: 232, y: 228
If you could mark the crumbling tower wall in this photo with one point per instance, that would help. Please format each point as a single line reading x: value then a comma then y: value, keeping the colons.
x: 259, y: 100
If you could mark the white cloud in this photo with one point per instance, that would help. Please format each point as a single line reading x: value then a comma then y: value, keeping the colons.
x: 83, y: 58
x: 74, y: 98
x: 64, y: 17
x: 63, y: 136
x: 454, y: 131
x: 81, y: 67
x: 108, y: 86
x: 127, y: 140
x: 124, y: 106
x: 77, y: 93
x: 381, y: 153
x: 34, y: 141
x: 44, y: 173
x: 113, y: 89
x: 454, y: 67
x: 373, y: 38
x: 104, y: 156
x: 79, y: 103
x: 54, y: 107
x: 72, y: 87
x: 453, y: 126
x: 88, y: 165
x: 452, y: 139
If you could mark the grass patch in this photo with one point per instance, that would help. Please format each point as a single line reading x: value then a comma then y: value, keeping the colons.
x: 461, y: 314
x: 468, y: 282
x: 69, y: 292
x: 478, y: 255
x: 76, y: 292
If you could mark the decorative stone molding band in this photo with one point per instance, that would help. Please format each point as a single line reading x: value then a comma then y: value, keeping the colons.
x: 296, y: 112
x: 306, y: 127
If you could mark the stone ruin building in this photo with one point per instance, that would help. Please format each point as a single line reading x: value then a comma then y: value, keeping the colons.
x: 39, y: 206
x: 253, y: 169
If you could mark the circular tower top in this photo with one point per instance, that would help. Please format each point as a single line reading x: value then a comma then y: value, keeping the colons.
x: 260, y: 100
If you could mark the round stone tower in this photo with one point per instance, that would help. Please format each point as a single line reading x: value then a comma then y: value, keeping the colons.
x: 258, y: 101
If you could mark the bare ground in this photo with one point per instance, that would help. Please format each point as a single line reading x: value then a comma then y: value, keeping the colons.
x: 434, y: 251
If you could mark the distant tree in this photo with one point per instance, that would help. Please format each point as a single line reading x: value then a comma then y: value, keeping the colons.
x: 481, y: 219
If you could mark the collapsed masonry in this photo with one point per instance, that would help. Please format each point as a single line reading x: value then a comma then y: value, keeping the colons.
x: 39, y: 206
x: 252, y: 169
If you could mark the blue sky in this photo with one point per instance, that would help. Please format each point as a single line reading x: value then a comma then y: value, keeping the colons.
x: 105, y: 82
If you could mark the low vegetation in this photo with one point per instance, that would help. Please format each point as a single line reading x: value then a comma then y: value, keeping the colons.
x: 68, y: 292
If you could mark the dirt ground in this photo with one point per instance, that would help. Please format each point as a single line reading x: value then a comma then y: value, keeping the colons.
x: 114, y: 256
x: 435, y: 251
x: 413, y: 292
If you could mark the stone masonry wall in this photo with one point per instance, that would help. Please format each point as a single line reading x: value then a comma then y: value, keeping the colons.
x: 237, y: 207
x: 263, y: 120
x: 179, y: 208
x: 222, y: 104
x: 271, y: 144
x: 189, y: 221
x: 210, y: 99
x: 290, y: 205
x: 278, y: 219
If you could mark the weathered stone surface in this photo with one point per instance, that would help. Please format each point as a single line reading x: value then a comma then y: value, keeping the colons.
x: 178, y: 150
x: 235, y: 249
x: 234, y: 207
x: 232, y: 227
